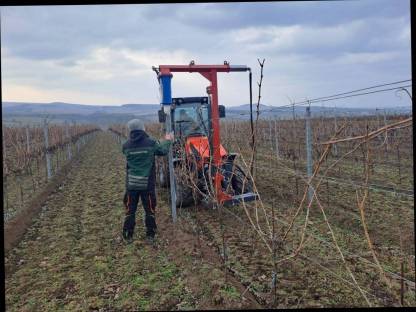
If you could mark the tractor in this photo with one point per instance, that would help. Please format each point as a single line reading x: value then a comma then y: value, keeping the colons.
x: 199, y: 168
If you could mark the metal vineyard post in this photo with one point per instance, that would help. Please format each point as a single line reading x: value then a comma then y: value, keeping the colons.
x: 48, y: 156
x: 309, y: 150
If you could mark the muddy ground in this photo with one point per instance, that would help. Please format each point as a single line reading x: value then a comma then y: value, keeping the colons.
x: 72, y: 257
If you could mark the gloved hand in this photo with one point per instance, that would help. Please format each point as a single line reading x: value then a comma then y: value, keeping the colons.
x: 169, y: 136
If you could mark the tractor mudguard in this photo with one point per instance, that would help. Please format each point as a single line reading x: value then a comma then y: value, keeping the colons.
x: 199, y: 145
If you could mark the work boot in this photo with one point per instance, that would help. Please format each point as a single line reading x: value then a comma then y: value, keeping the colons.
x: 150, y: 240
x: 128, y: 236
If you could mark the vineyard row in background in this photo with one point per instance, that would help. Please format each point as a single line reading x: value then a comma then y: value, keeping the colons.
x: 281, y: 171
x: 32, y: 155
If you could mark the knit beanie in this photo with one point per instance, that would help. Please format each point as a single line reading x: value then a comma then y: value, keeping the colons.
x: 135, y: 124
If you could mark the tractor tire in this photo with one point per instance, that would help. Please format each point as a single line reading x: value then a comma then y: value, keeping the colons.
x: 237, y: 181
x: 184, y: 196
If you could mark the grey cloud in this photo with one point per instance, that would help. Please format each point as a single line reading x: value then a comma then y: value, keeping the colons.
x: 368, y: 35
x: 237, y: 15
x: 58, y: 32
x: 46, y: 45
x: 70, y: 32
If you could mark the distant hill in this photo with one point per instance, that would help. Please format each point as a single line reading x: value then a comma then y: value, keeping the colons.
x: 267, y: 111
x: 70, y: 108
x: 14, y: 112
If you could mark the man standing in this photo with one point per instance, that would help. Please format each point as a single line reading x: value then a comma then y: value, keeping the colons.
x: 140, y: 151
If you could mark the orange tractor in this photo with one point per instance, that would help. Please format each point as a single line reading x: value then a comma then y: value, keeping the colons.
x: 199, y: 166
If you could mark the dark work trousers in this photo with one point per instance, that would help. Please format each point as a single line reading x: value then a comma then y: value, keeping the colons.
x: 148, y: 198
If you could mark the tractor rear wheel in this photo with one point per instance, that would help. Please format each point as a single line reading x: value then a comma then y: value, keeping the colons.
x: 240, y: 182
x: 184, y: 196
x: 184, y: 191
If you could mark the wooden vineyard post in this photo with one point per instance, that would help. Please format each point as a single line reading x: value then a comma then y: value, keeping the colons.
x: 48, y: 155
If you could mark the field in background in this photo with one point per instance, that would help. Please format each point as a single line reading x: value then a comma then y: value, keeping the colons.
x: 353, y: 245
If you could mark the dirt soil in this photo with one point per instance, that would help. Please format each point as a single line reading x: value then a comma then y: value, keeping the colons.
x: 72, y: 257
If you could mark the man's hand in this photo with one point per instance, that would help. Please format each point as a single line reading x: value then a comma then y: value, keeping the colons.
x: 169, y: 136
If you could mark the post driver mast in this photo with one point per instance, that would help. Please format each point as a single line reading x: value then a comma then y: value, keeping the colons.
x: 210, y: 73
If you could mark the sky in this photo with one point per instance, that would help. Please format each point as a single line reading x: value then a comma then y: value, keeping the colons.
x: 103, y: 54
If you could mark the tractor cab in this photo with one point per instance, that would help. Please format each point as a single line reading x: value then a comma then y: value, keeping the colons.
x: 190, y: 117
x: 192, y: 126
x: 191, y: 123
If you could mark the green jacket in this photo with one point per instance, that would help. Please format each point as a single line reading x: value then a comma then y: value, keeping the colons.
x: 140, y: 151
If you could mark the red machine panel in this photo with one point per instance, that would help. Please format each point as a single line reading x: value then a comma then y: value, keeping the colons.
x: 201, y: 145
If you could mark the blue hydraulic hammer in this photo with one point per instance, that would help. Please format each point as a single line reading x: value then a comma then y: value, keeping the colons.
x: 166, y: 101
